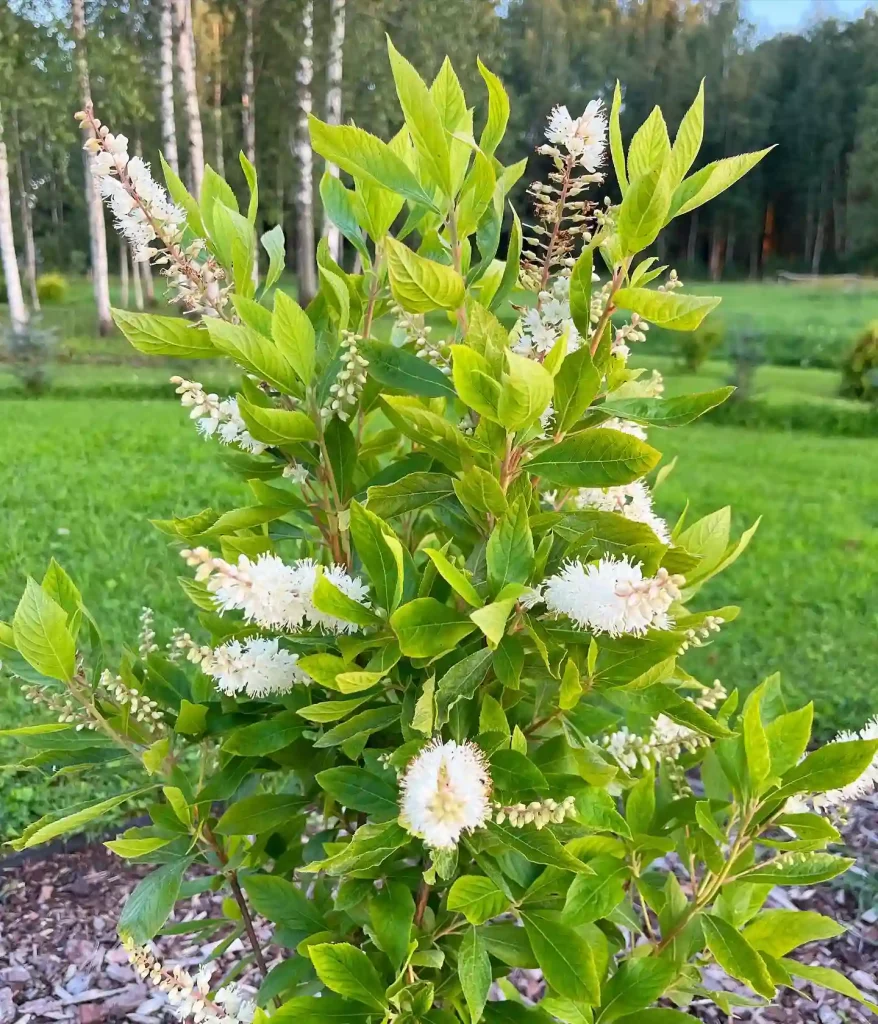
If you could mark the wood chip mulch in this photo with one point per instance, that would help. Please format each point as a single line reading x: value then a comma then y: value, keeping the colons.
x: 60, y: 959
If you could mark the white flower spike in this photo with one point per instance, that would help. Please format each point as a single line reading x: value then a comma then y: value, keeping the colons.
x: 446, y: 791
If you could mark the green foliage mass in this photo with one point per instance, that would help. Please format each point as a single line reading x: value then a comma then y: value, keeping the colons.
x: 427, y: 478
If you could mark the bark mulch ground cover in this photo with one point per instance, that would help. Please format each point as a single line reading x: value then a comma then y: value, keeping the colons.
x: 60, y: 959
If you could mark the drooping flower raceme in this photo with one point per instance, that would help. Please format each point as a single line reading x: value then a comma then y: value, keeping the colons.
x: 613, y: 596
x: 446, y: 791
x: 632, y: 501
x: 215, y: 416
x: 584, y: 137
x: 258, y: 667
x: 273, y: 594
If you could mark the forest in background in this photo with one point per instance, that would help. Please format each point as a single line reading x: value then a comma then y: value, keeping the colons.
x: 208, y: 78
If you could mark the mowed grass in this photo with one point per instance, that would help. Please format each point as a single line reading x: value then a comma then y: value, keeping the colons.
x: 97, y: 471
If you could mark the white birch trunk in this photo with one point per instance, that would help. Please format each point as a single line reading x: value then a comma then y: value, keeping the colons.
x: 17, y: 309
x: 334, y: 66
x: 123, y: 273
x: 145, y: 271
x: 96, y: 226
x: 219, y: 156
x: 189, y: 83
x: 305, y: 250
x: 169, y: 123
x: 248, y: 90
x: 27, y: 224
x: 138, y: 284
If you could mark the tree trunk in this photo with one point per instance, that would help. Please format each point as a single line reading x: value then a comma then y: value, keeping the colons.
x: 189, y: 83
x: 138, y: 285
x: 730, y: 250
x: 219, y: 156
x: 333, y: 104
x: 96, y: 227
x: 819, y: 236
x: 17, y: 309
x: 715, y: 260
x: 692, y: 242
x: 123, y: 273
x: 305, y: 254
x: 248, y: 89
x: 27, y: 224
x: 166, y: 78
x: 148, y: 286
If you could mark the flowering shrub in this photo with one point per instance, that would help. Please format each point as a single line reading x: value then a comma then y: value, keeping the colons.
x: 433, y: 720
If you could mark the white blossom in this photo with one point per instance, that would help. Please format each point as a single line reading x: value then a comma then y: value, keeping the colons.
x: 613, y: 596
x: 632, y: 501
x: 583, y: 137
x: 273, y: 594
x: 296, y: 472
x: 538, y: 812
x: 544, y: 324
x: 445, y: 791
x: 667, y: 740
x: 258, y: 667
x: 215, y: 416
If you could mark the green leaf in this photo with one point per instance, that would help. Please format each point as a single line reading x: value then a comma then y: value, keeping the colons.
x: 778, y: 931
x: 73, y: 822
x: 658, y: 1016
x: 539, y: 847
x: 266, y: 736
x: 644, y: 209
x: 474, y: 971
x: 512, y: 266
x: 408, y: 494
x: 191, y: 718
x: 826, y: 977
x: 164, y: 335
x: 274, y: 243
x: 426, y: 628
x: 41, y: 636
x: 670, y: 310
x: 525, y: 392
x: 492, y: 619
x: 392, y: 911
x: 151, y: 902
x: 357, y: 788
x: 366, y: 157
x: 591, y: 897
x: 650, y: 146
x: 328, y: 599
x: 283, y: 903
x: 510, y: 549
x: 401, y: 370
x: 513, y: 772
x: 667, y: 412
x: 580, y: 293
x: 564, y: 957
x: 736, y: 956
x: 455, y: 578
x: 474, y: 382
x: 255, y: 814
x: 599, y: 457
x: 480, y: 490
x: 617, y: 148
x: 340, y: 206
x: 832, y: 766
x: 381, y: 554
x: 293, y: 333
x: 136, y: 847
x: 576, y: 385
x: 498, y: 111
x: 420, y: 285
x: 182, y: 197
x: 276, y: 427
x: 640, y: 805
x: 707, y: 183
x: 635, y: 985
x: 797, y: 869
x: 349, y: 972
x: 461, y: 681
x: 788, y: 737
x: 365, y: 722
x: 255, y: 353
x: 755, y: 741
x: 477, y: 898
x: 322, y: 1009
x: 689, y: 136
x: 330, y: 710
x: 371, y: 845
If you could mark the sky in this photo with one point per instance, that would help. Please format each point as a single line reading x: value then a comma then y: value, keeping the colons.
x: 790, y: 15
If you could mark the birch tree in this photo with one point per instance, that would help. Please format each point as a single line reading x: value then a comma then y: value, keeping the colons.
x: 305, y: 251
x: 219, y: 156
x: 96, y: 227
x: 17, y: 309
x: 27, y: 224
x: 169, y: 123
x: 189, y: 83
x: 334, y: 64
x: 248, y: 90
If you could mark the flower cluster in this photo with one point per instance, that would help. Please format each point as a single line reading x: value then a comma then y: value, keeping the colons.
x: 543, y: 325
x: 538, y: 812
x: 584, y: 137
x: 273, y: 594
x: 632, y: 501
x: 146, y: 644
x: 190, y: 997
x: 350, y: 380
x: 144, y: 214
x: 445, y: 791
x: 634, y: 331
x: 215, y: 416
x: 672, y: 284
x: 411, y: 327
x: 667, y: 741
x: 258, y: 667
x: 141, y: 708
x: 696, y: 636
x: 68, y: 713
x: 613, y: 596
